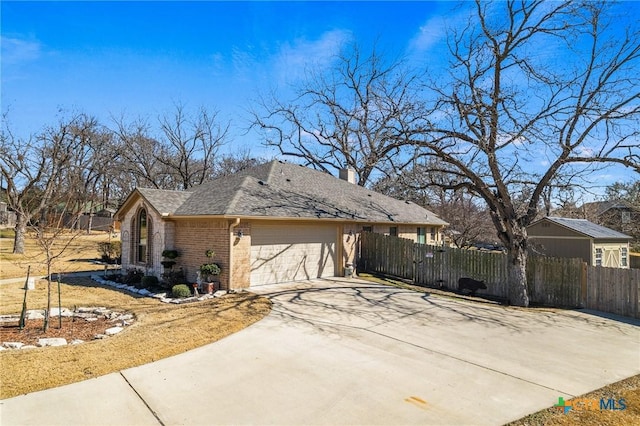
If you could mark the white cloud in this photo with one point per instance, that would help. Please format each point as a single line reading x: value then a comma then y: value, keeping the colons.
x: 244, y: 62
x: 293, y: 59
x: 583, y: 151
x: 17, y: 51
x: 429, y: 35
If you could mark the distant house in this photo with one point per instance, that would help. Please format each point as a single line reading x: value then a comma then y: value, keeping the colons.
x: 273, y: 223
x: 7, y: 217
x: 579, y: 238
x: 619, y: 215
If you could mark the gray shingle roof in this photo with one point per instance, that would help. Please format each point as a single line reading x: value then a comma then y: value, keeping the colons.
x: 164, y: 201
x: 589, y: 229
x: 285, y: 190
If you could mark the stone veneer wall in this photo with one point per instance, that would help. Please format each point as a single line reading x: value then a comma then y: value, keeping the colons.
x: 158, y: 236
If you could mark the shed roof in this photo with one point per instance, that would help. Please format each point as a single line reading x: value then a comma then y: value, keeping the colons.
x: 588, y: 228
x: 283, y: 190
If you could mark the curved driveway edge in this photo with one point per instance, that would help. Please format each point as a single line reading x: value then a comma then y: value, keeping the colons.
x: 352, y: 352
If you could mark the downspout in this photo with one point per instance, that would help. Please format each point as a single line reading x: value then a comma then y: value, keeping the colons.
x: 232, y: 225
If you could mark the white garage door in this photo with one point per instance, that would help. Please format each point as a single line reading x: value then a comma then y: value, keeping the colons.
x: 281, y: 253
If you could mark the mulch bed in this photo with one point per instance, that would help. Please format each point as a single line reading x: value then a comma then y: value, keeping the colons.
x: 72, y: 328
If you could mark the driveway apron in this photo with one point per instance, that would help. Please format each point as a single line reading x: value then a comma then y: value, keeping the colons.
x: 352, y: 352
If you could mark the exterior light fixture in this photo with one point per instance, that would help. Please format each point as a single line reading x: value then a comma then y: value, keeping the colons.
x: 239, y: 234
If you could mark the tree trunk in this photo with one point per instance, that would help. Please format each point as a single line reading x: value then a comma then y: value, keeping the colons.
x: 47, y: 313
x: 517, y: 275
x: 21, y: 231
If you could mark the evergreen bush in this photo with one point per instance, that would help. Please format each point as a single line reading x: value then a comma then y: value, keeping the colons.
x: 180, y: 290
x: 149, y: 281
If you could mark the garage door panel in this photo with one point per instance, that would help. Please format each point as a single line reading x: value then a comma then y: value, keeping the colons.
x: 292, y: 253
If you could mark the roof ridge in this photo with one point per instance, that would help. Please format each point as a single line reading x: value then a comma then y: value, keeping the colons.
x: 237, y: 194
x: 271, y: 169
x: 566, y: 222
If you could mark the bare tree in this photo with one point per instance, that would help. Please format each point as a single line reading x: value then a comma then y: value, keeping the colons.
x: 507, y: 120
x: 32, y: 169
x: 191, y: 143
x: 183, y: 155
x: 230, y: 164
x: 86, y: 179
x: 469, y: 220
x: 54, y: 236
x: 628, y: 192
x: 139, y: 155
x: 349, y: 116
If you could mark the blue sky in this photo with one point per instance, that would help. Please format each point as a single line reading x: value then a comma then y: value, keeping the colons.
x: 138, y: 59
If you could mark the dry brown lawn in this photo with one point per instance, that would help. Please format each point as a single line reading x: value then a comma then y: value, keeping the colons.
x: 161, y: 330
x: 77, y: 257
x: 628, y: 389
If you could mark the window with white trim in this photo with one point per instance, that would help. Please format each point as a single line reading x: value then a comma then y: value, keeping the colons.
x: 626, y: 217
x: 422, y: 235
x: 624, y: 256
x: 598, y: 257
x: 142, y: 237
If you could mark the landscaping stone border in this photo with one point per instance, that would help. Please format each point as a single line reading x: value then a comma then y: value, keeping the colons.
x: 120, y: 320
x: 162, y: 296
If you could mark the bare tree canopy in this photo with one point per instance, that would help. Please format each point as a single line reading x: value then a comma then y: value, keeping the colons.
x: 537, y: 96
x: 348, y: 116
x: 38, y: 171
x: 183, y: 155
x: 190, y: 144
x: 79, y: 165
x: 536, y: 90
x: 230, y: 164
x: 469, y: 219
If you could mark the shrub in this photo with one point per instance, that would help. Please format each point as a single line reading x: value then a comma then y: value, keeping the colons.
x: 168, y: 264
x: 149, y: 281
x: 110, y: 252
x: 170, y: 254
x: 114, y: 277
x: 180, y: 290
x: 171, y: 278
x: 133, y: 276
x: 209, y: 269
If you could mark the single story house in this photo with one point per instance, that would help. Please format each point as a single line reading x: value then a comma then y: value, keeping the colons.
x: 579, y: 238
x: 277, y: 222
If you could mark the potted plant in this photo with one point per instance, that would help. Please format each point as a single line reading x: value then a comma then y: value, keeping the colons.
x: 209, y: 272
x: 171, y: 255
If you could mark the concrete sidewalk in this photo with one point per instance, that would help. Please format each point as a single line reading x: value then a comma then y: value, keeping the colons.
x: 44, y: 277
x: 352, y: 352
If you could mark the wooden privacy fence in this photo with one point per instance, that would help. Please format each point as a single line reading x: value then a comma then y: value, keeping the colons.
x: 556, y: 281
x: 613, y: 290
x: 566, y: 283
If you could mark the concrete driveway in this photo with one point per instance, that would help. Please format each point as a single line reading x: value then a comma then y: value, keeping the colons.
x: 352, y: 352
